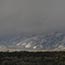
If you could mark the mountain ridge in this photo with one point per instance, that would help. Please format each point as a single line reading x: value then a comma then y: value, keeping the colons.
x: 53, y: 41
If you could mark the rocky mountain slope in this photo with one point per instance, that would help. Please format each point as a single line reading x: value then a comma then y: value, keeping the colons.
x: 53, y: 41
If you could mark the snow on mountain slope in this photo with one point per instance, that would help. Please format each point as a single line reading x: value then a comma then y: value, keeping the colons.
x: 52, y: 41
x: 44, y: 42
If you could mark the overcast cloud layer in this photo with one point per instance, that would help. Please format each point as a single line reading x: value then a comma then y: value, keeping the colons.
x: 31, y: 16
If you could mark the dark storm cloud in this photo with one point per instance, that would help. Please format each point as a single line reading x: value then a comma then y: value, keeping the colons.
x: 31, y: 15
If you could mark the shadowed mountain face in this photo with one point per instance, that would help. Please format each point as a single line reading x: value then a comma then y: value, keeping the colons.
x: 52, y: 41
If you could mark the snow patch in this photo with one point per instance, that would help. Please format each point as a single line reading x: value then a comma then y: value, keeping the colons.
x: 24, y: 44
x: 61, y: 46
x: 18, y: 44
x: 28, y: 45
x: 34, y: 47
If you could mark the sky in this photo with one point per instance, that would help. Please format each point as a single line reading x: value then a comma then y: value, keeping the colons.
x: 31, y: 16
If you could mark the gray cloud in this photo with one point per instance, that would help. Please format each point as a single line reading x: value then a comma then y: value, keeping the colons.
x: 31, y: 16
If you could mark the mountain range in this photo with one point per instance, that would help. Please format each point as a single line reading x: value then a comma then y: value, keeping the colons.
x: 54, y: 41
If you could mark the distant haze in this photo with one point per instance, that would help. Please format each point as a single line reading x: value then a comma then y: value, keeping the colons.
x: 31, y: 16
